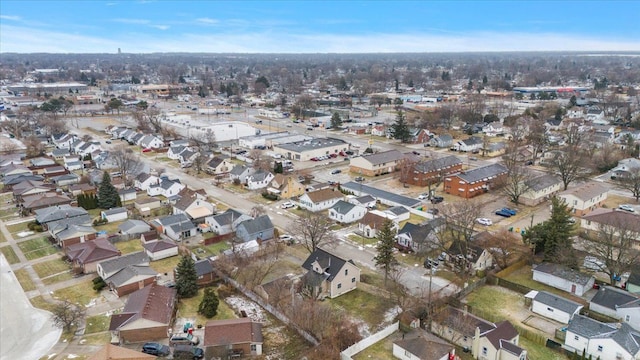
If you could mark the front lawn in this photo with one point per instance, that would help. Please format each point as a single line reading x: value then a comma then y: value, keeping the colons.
x: 361, y: 240
x: 40, y: 303
x: 95, y: 339
x: 363, y: 305
x: 81, y: 293
x: 25, y: 280
x: 129, y: 246
x: 188, y: 308
x: 64, y: 276
x: 51, y: 267
x: 37, y: 248
x: 98, y: 323
x: 10, y: 254
x: 16, y: 228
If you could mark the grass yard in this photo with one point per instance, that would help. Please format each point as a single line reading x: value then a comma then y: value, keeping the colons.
x: 40, y: 303
x: 98, y: 323
x: 25, y: 280
x: 382, y: 350
x: 2, y: 239
x: 211, y: 250
x: 57, y: 278
x: 536, y: 351
x: 95, y: 339
x: 51, y: 267
x: 361, y: 240
x: 523, y: 276
x: 189, y: 308
x: 414, y: 219
x: 16, y: 228
x: 282, y: 268
x: 129, y: 246
x: 81, y: 293
x: 165, y: 265
x: 495, y: 303
x: 110, y: 227
x: 94, y: 213
x: 10, y: 254
x: 37, y: 248
x: 363, y: 305
x: 613, y: 201
x: 7, y: 213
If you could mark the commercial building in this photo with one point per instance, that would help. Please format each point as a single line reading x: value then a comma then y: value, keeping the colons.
x: 306, y: 150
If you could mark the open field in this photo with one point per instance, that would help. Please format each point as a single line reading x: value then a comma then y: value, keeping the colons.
x: 10, y: 254
x: 37, y: 248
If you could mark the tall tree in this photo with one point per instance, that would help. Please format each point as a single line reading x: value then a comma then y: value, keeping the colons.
x: 313, y: 230
x: 400, y: 128
x: 186, y: 278
x: 384, y: 258
x: 127, y: 162
x: 518, y: 179
x: 336, y: 121
x: 209, y: 305
x: 107, y: 194
x: 553, y: 236
x: 630, y: 182
x: 66, y: 314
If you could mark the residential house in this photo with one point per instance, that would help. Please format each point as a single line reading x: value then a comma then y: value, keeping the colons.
x: 108, y: 268
x: 227, y: 222
x: 161, y: 249
x: 30, y: 187
x: 149, y: 236
x: 398, y: 213
x: 63, y: 141
x: 370, y: 223
x: 421, y: 136
x: 145, y: 205
x: 259, y: 180
x: 32, y: 203
x: 11, y: 180
x: 65, y: 179
x: 419, y: 238
x: 176, y: 227
x: 42, y: 162
x: 84, y: 257
x: 59, y: 154
x: 166, y: 188
x: 151, y: 142
x: 218, y: 166
x: 595, y: 115
x: 376, y: 164
x: 584, y: 198
x: 610, y: 220
x: 59, y: 212
x: 73, y: 165
x: 418, y: 345
x: 241, y: 172
x: 617, y: 304
x: 466, y: 255
x: 367, y: 201
x: 472, y: 144
x: 602, y: 340
x: 319, y: 200
x: 286, y: 186
x: 499, y: 343
x: 329, y: 275
x: 633, y: 282
x: 260, y: 229
x: 115, y: 352
x: 346, y: 213
x: 471, y: 183
x: 127, y: 195
x: 14, y: 169
x: 553, y: 306
x: 205, y: 273
x: 148, y: 314
x: 540, y: 188
x: 188, y: 156
x: 441, y: 141
x: 232, y: 338
x: 494, y: 149
x: 194, y: 205
x: 84, y: 188
x: 87, y: 148
x: 67, y: 233
x: 563, y: 278
x: 625, y: 168
x: 130, y: 278
x: 114, y: 214
x: 133, y: 227
x: 174, y: 152
x: 494, y: 129
x: 433, y: 171
x: 379, y: 130
x: 143, y: 181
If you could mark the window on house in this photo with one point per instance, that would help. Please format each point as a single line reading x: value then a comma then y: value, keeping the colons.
x: 576, y: 337
x: 339, y: 286
x: 600, y: 348
x: 254, y: 347
x: 346, y: 272
x: 465, y: 338
x: 549, y: 309
x: 484, y: 351
x: 353, y: 280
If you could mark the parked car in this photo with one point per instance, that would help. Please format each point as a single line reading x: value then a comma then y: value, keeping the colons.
x: 359, y: 179
x: 436, y: 199
x: 415, y: 153
x: 108, y: 141
x: 442, y: 256
x: 626, y: 207
x: 288, y: 205
x: 423, y: 197
x: 184, y: 339
x: 503, y: 213
x: 430, y: 263
x: 433, y: 211
x: 185, y: 351
x: 153, y: 348
x: 484, y: 221
x: 336, y: 171
x: 510, y: 211
x: 146, y: 150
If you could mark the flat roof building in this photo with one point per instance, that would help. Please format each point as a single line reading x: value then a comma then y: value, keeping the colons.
x: 308, y: 149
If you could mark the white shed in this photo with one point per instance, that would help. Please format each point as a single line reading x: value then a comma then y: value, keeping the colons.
x: 553, y: 306
x: 158, y: 250
x: 115, y: 214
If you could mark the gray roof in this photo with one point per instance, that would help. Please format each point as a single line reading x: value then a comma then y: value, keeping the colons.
x: 113, y: 211
x: 438, y: 164
x: 57, y: 225
x: 398, y: 210
x: 70, y: 230
x: 420, y: 233
x: 15, y: 179
x: 138, y: 225
x: 59, y: 152
x: 215, y: 162
x: 130, y: 271
x: 173, y: 219
x: 342, y: 207
x: 238, y: 170
x: 444, y: 137
x: 58, y: 212
x: 384, y: 157
x: 625, y: 336
x: 542, y: 182
x: 203, y: 267
x: 482, y: 173
x: 142, y: 177
x: 313, y: 144
x: 177, y: 149
x: 365, y: 199
x: 155, y: 246
x: 557, y: 302
x: 381, y: 194
x: 564, y: 273
x: 260, y: 175
x: 331, y: 264
x: 611, y: 298
x: 261, y: 223
x: 474, y: 140
x: 227, y: 217
x: 182, y: 227
x: 112, y: 265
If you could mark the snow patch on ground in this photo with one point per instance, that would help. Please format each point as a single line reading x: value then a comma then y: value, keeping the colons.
x: 391, y: 314
x: 253, y: 310
x: 363, y: 328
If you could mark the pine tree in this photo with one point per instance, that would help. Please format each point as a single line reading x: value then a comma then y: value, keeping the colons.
x: 82, y: 201
x: 400, y: 129
x: 107, y: 194
x: 336, y: 121
x: 186, y: 278
x: 385, y: 258
x: 209, y: 304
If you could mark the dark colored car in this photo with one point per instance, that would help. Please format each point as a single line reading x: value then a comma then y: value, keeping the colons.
x: 184, y: 351
x: 359, y: 179
x: 336, y: 171
x: 433, y: 211
x: 510, y: 211
x: 156, y: 349
x: 504, y: 213
x: 436, y: 199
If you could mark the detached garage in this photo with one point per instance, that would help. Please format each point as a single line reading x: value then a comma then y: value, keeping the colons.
x: 552, y: 306
x: 158, y: 250
x: 115, y: 214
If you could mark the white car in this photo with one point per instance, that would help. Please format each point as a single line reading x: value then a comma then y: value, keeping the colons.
x: 484, y: 221
x: 625, y: 207
x: 288, y: 205
x: 423, y: 197
x: 285, y: 237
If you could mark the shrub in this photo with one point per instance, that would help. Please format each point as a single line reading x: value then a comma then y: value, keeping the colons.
x: 269, y: 196
x: 98, y: 284
x: 236, y: 182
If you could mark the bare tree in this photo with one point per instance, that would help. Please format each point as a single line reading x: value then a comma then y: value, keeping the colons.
x: 313, y: 230
x: 630, y: 182
x: 9, y: 148
x: 257, y: 210
x: 260, y: 160
x: 613, y: 244
x: 518, y: 179
x: 65, y: 315
x: 35, y: 147
x: 127, y: 162
x: 569, y: 165
x: 505, y: 247
x: 304, y: 102
x: 204, y: 141
x: 149, y: 119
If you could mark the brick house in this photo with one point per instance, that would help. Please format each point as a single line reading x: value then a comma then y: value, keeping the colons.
x: 232, y: 338
x: 471, y: 183
x: 376, y: 164
x: 424, y: 173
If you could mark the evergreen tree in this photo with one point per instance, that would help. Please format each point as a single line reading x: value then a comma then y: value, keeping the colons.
x: 385, y: 258
x: 336, y: 121
x: 81, y: 202
x: 209, y: 304
x: 186, y: 278
x: 573, y: 101
x: 107, y: 194
x: 553, y: 236
x: 400, y: 128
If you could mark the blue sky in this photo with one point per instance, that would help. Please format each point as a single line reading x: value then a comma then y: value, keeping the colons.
x: 142, y: 26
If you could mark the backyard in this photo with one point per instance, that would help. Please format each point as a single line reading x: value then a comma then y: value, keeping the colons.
x: 188, y: 308
x: 127, y: 247
x: 37, y: 248
x: 363, y: 305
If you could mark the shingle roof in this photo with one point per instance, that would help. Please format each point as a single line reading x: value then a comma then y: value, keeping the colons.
x: 91, y: 251
x: 420, y: 233
x: 398, y: 210
x: 557, y: 302
x: 261, y: 223
x: 365, y: 199
x: 129, y: 272
x: 260, y: 175
x: 113, y: 265
x: 611, y: 298
x: 160, y: 245
x: 232, y: 331
x: 372, y: 220
x: 482, y: 173
x: 227, y: 217
x: 470, y: 250
x: 153, y: 302
x: 238, y: 170
x: 113, y: 211
x: 437, y: 164
x: 384, y: 157
x: 563, y: 272
x: 381, y: 194
x: 72, y: 230
x: 331, y: 264
x: 625, y: 336
x: 342, y: 207
x: 323, y: 195
x: 203, y: 267
x: 615, y: 218
x: 425, y: 346
x: 503, y: 331
x: 132, y: 224
x: 587, y: 191
x: 542, y: 182
x: 58, y: 212
x: 215, y: 162
x: 173, y: 219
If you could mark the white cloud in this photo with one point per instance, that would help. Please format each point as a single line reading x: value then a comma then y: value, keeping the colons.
x: 23, y: 39
x: 132, y: 21
x: 207, y: 21
x: 10, y: 17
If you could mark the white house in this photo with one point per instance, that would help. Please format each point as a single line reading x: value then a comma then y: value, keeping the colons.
x: 563, y: 278
x: 601, y: 340
x: 161, y: 249
x: 420, y: 345
x: 630, y: 313
x: 618, y: 304
x: 166, y: 188
x: 346, y: 213
x: 151, y: 142
x: 226, y: 222
x: 144, y: 181
x: 584, y: 198
x: 176, y: 227
x: 259, y: 180
x: 540, y: 188
x: 553, y: 306
x: 241, y: 172
x: 115, y: 214
x: 127, y: 195
x: 471, y: 144
x: 319, y: 200
x: 174, y: 152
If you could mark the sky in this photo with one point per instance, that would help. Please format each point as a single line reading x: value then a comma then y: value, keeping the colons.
x: 145, y: 26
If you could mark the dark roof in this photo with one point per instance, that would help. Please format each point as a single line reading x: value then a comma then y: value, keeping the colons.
x: 91, y: 251
x: 470, y: 250
x: 14, y: 179
x: 203, y: 267
x: 420, y: 233
x: 261, y: 223
x: 474, y: 140
x: 542, y: 182
x: 482, y: 173
x: 113, y: 265
x: 129, y: 272
x: 557, y: 302
x: 634, y: 278
x: 227, y: 217
x: 238, y: 170
x: 342, y: 207
x: 58, y: 212
x: 625, y: 336
x: 437, y: 164
x: 381, y: 194
x: 365, y: 199
x: 384, y: 157
x: 503, y: 331
x: 330, y: 263
x: 372, y: 220
x: 173, y: 219
x: 159, y: 245
x: 564, y: 273
x: 153, y: 302
x: 232, y: 331
x: 398, y: 210
x: 587, y: 327
x: 611, y: 297
x: 424, y: 345
x: 213, y: 163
